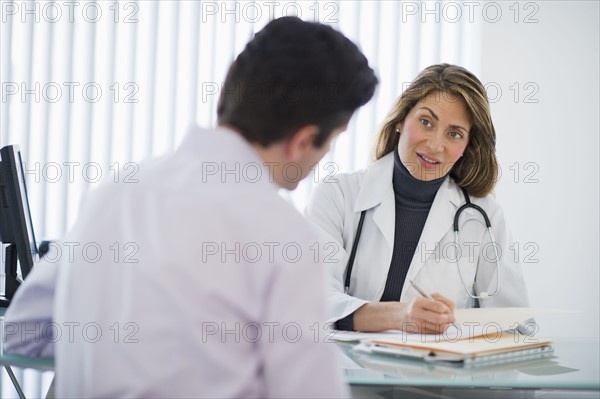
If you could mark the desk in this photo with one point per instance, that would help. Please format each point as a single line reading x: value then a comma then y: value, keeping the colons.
x: 38, y: 363
x: 9, y: 361
x: 573, y: 371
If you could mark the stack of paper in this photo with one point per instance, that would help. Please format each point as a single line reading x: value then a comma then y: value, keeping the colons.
x: 478, y: 336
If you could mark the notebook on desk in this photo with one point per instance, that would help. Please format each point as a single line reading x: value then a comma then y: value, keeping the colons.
x: 483, y: 350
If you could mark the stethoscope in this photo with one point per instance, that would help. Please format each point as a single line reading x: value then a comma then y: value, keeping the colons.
x: 472, y: 294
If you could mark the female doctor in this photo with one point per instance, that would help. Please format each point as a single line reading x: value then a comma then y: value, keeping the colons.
x: 434, y: 154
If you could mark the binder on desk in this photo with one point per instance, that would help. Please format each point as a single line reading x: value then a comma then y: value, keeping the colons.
x: 483, y: 350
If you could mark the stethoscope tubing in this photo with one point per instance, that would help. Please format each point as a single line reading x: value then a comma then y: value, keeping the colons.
x: 488, y: 225
x: 353, y: 252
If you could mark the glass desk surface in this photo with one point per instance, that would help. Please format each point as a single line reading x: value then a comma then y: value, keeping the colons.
x: 575, y: 364
x: 38, y: 363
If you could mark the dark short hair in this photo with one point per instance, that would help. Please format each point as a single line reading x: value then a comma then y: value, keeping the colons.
x: 292, y: 74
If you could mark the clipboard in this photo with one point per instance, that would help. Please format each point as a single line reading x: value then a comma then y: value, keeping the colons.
x: 465, y: 353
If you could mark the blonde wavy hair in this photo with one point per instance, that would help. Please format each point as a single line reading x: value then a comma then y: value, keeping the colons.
x: 477, y: 170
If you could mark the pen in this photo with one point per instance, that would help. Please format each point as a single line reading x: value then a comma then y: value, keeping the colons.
x: 420, y: 290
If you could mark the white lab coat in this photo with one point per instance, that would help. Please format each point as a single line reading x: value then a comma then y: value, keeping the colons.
x: 336, y: 206
x: 193, y: 294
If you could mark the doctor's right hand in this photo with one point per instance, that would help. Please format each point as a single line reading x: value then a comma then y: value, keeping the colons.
x: 421, y: 315
x: 428, y: 316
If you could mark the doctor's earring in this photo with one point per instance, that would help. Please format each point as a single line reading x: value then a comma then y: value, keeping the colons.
x: 398, y: 131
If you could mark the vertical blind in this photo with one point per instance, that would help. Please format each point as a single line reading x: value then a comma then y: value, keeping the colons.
x: 89, y: 88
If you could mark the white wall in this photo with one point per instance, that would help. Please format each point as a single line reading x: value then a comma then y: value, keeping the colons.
x: 558, y: 136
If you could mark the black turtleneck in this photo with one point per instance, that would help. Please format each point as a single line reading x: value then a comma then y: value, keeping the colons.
x: 414, y: 198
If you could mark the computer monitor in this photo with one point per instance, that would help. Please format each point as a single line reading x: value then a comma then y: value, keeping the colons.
x: 16, y: 228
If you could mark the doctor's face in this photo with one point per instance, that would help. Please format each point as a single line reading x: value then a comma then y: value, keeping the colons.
x: 434, y: 136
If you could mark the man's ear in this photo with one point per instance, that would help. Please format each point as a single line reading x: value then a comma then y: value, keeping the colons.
x: 300, y: 142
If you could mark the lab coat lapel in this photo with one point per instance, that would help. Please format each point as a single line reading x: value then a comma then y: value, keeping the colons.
x: 377, y: 189
x: 439, y: 222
